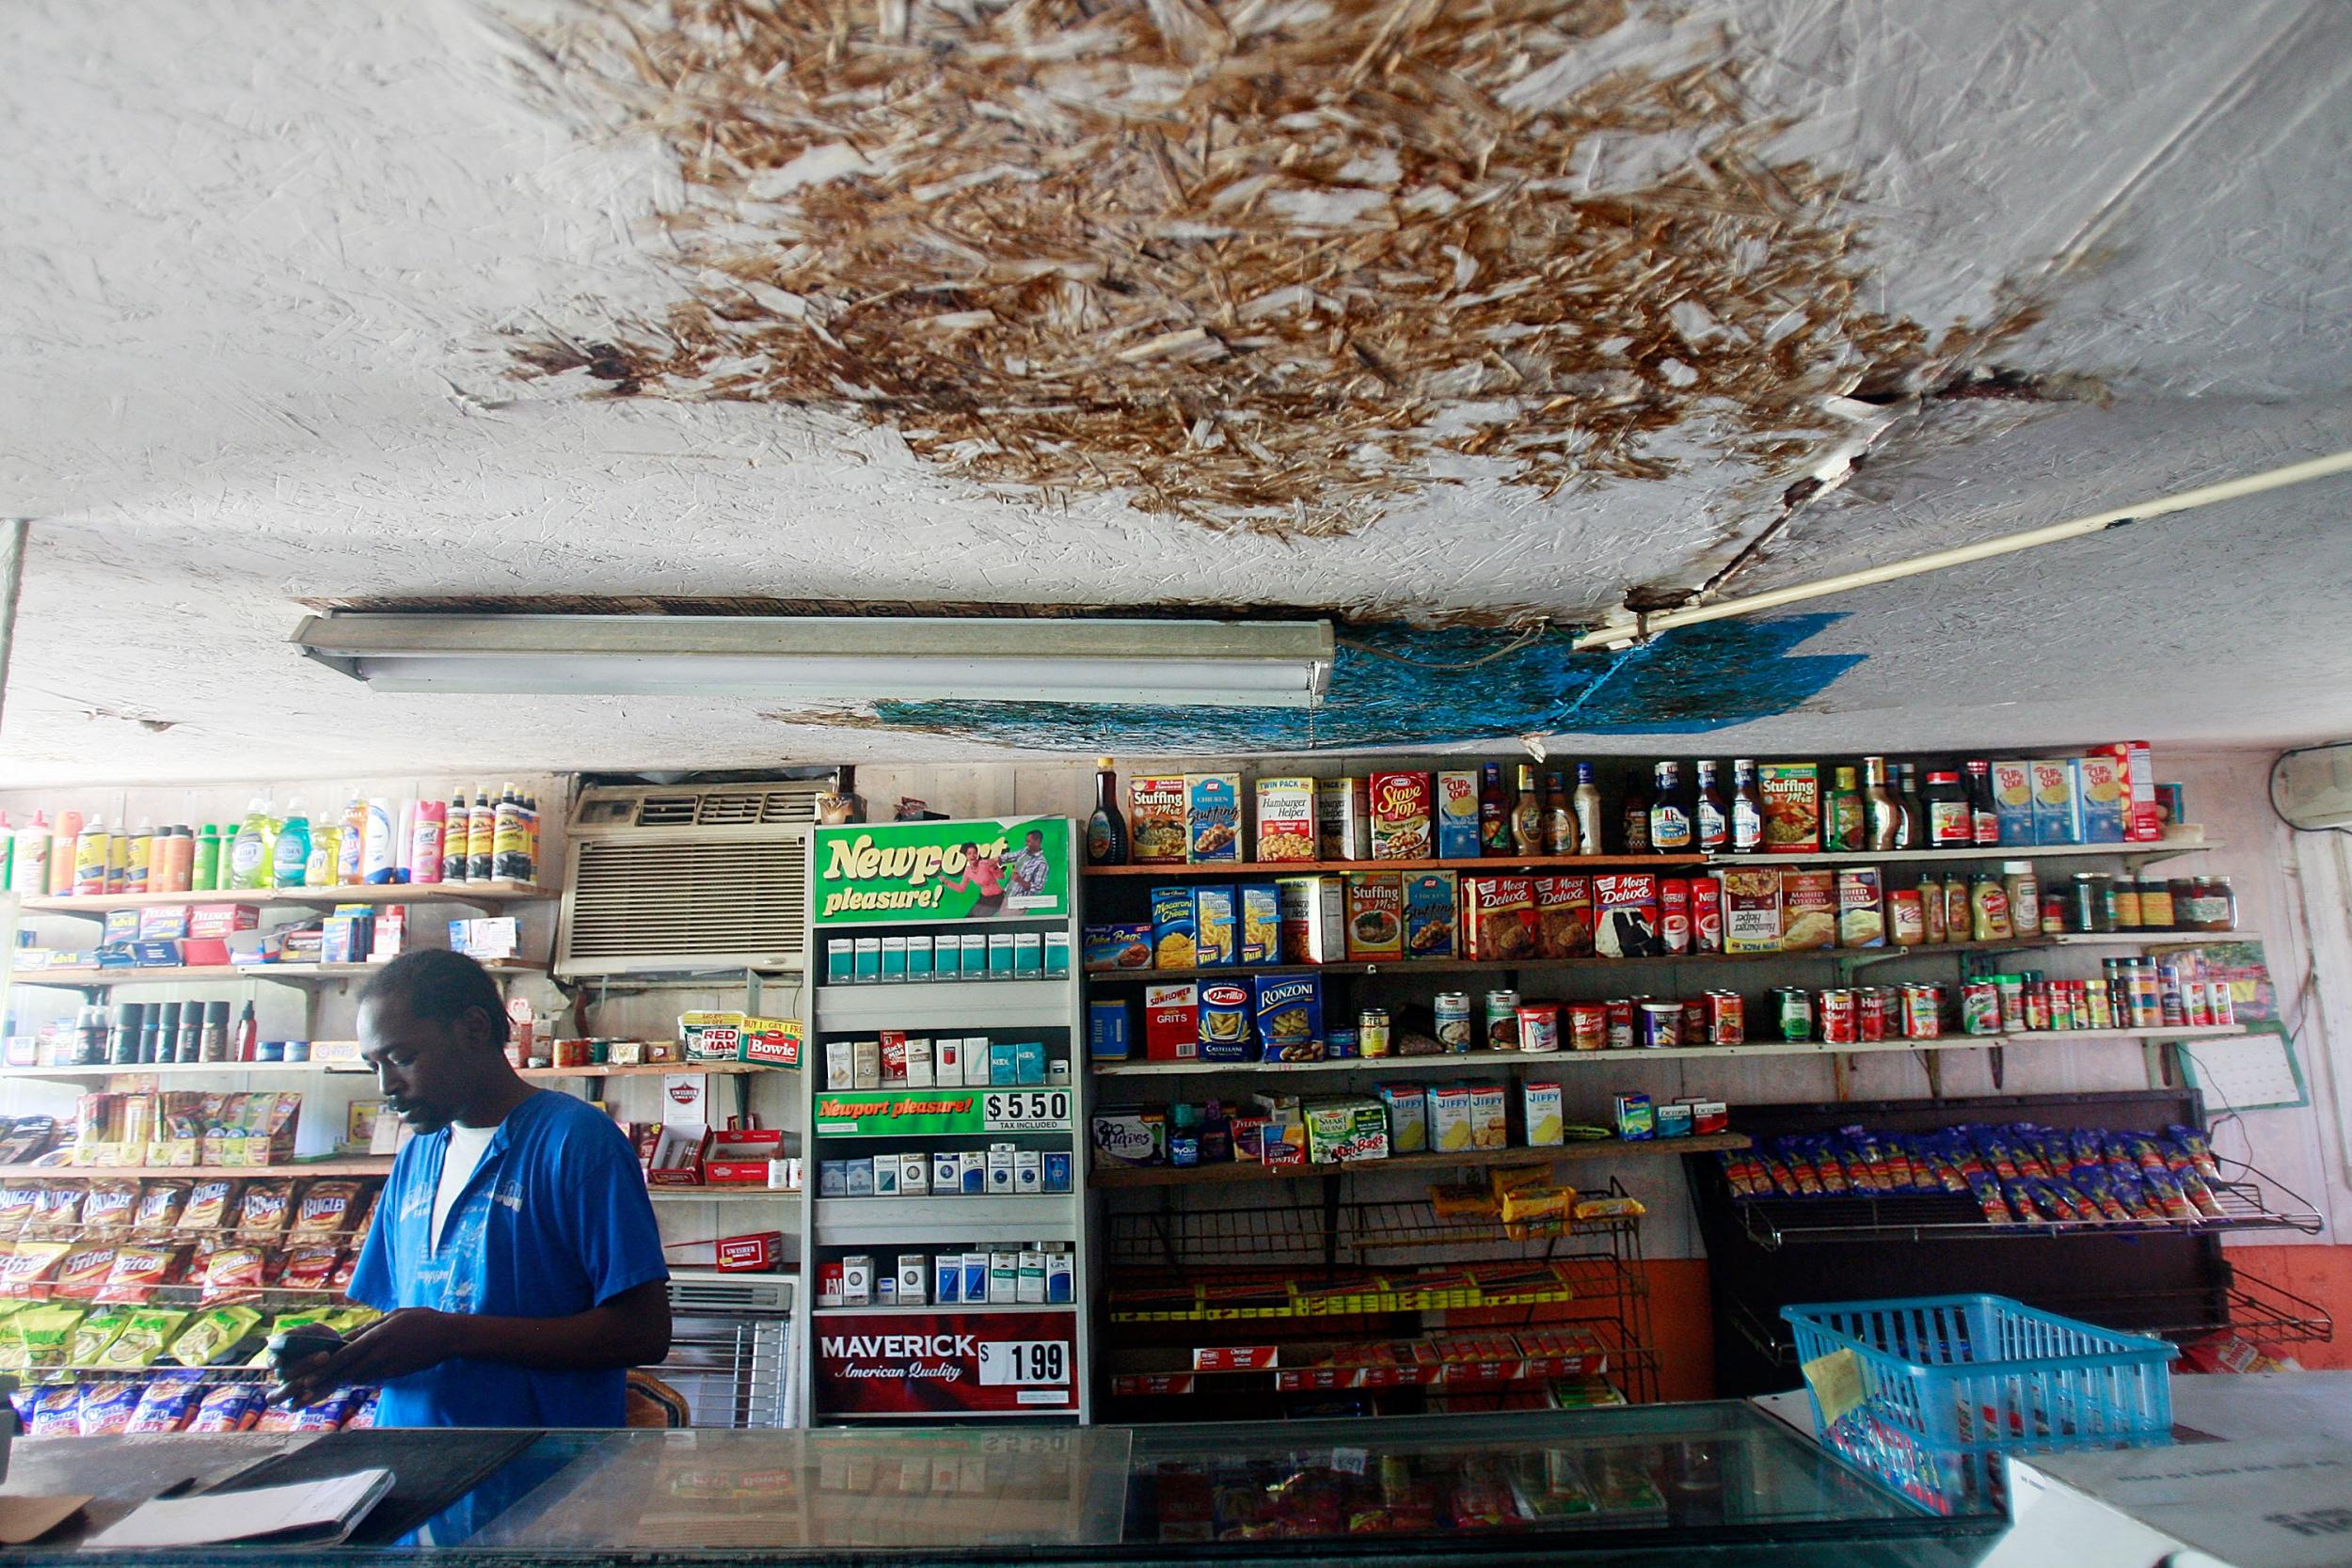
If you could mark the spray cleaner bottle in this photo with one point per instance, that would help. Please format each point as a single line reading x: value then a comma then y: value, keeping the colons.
x: 90, y: 847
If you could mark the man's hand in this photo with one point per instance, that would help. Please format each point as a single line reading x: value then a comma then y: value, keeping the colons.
x: 408, y: 1341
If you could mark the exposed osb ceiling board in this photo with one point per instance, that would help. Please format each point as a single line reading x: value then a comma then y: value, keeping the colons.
x: 1449, y: 314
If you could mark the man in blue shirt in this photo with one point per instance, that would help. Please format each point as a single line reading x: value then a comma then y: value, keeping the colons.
x: 514, y: 1252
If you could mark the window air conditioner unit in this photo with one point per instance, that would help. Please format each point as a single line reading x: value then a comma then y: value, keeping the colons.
x: 688, y: 879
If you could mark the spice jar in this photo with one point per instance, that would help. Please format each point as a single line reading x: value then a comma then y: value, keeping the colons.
x: 2156, y: 906
x: 2054, y: 914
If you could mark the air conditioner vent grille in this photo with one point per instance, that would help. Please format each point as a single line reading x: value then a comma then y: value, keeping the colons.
x: 729, y: 808
x: 688, y: 901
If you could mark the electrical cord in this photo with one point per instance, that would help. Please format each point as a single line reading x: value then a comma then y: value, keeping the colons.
x: 2271, y: 788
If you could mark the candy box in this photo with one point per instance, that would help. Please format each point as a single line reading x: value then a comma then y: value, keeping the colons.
x: 1401, y: 810
x: 1286, y: 819
x: 1489, y: 1117
x: 1790, y: 793
x: 772, y: 1041
x: 1626, y: 916
x: 1213, y: 818
x: 1175, y: 940
x: 1343, y: 820
x: 1497, y: 918
x: 1130, y: 1138
x: 1216, y: 935
x: 1430, y: 898
x: 1289, y: 1010
x: 1124, y: 945
x: 2012, y: 801
x: 1376, y: 916
x: 1155, y: 821
x: 1457, y: 816
x: 1564, y: 916
x: 2057, y: 809
x: 1314, y: 915
x: 1171, y: 1022
x: 1352, y: 1128
x: 1409, y: 1117
x: 1258, y: 909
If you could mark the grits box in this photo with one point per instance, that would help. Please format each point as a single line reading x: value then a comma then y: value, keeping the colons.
x: 1401, y: 813
x: 1286, y: 819
x: 1349, y: 1129
x: 1213, y: 818
x: 1155, y: 821
x: 1171, y: 1022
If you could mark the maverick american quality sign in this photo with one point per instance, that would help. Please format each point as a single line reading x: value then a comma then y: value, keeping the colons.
x: 892, y: 1363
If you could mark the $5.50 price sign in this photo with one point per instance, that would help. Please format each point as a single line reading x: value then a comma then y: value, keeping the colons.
x: 1025, y: 1111
x: 1018, y: 1363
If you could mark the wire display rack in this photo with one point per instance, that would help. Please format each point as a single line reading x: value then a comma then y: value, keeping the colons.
x: 2249, y: 1200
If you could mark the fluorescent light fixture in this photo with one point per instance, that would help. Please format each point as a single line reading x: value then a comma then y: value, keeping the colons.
x: 834, y: 658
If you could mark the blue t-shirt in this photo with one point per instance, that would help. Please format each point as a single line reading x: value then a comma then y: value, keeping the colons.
x: 554, y: 1221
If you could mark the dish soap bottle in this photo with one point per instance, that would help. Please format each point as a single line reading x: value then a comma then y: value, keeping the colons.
x: 1106, y: 829
x: 290, y: 857
x: 249, y: 852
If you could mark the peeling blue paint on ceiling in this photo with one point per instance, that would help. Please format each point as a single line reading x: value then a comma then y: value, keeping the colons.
x: 1683, y: 682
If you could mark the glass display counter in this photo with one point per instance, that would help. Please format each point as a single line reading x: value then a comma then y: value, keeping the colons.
x: 1689, y: 1485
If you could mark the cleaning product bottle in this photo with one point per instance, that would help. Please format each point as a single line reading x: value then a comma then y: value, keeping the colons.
x: 248, y: 851
x: 510, y: 853
x: 351, y: 845
x: 138, y: 868
x: 118, y: 862
x: 530, y: 827
x: 204, y: 867
x: 8, y: 855
x: 326, y: 841
x: 247, y: 1046
x: 480, y: 838
x: 425, y: 845
x: 376, y: 856
x: 454, y: 835
x: 62, y: 853
x: 90, y: 847
x: 32, y: 857
x: 181, y: 860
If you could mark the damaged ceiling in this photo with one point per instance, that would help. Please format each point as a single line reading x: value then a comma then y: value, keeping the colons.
x: 1413, y: 311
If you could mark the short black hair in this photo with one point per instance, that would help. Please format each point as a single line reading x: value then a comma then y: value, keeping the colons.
x: 437, y: 985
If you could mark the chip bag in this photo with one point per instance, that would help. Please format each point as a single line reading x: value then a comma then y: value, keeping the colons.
x: 31, y: 1269
x: 109, y: 1206
x: 145, y: 1331
x: 107, y: 1408
x: 212, y: 1339
x: 94, y: 1334
x: 42, y: 1334
x: 161, y: 1205
x: 327, y: 1209
x: 56, y: 1412
x: 230, y: 1407
x: 210, y: 1204
x: 84, y: 1271
x: 140, y: 1268
x: 168, y: 1405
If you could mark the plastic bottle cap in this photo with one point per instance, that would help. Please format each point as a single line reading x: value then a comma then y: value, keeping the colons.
x: 2017, y: 867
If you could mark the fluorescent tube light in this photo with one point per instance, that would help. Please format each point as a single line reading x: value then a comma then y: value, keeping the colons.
x: 834, y: 660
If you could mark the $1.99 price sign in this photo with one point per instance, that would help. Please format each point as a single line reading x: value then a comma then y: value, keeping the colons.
x: 1025, y: 1111
x: 1025, y: 1363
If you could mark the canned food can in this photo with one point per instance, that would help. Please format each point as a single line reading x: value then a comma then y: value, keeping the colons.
x: 1869, y: 1015
x: 1372, y: 1032
x: 2220, y: 1003
x: 1839, y: 1022
x: 1793, y: 1007
x: 1339, y: 1045
x: 1453, y: 1019
x: 1727, y: 1018
x: 1659, y: 1026
x: 1979, y: 1009
x: 1706, y: 915
x: 1502, y: 1022
x: 1694, y: 1031
x: 571, y: 1052
x: 1539, y: 1026
x: 1923, y: 1012
x: 1674, y: 915
x: 1588, y: 1026
x: 1620, y: 1025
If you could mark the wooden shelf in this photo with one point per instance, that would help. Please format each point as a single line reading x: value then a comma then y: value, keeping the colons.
x: 1607, y: 1149
x: 481, y: 895
x: 2162, y: 850
x: 1488, y: 863
x: 191, y: 974
x: 653, y: 1070
x: 1593, y: 960
x: 107, y: 1173
x: 171, y: 1070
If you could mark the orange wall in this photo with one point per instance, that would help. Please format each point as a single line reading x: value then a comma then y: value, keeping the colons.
x: 2317, y: 1274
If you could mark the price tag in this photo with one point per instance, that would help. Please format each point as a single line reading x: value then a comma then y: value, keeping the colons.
x: 1020, y: 1363
x: 1025, y: 1111
x: 1837, y: 1382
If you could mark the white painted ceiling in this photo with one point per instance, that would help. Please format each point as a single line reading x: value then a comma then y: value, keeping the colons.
x: 259, y: 266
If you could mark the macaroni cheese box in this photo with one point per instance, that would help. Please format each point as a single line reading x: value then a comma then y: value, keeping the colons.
x: 1314, y: 915
x: 1258, y: 908
x: 1289, y: 1011
x: 2057, y: 809
x: 1216, y: 938
x: 1171, y: 1022
x: 1429, y: 904
x: 2012, y: 801
x: 1175, y: 941
x: 2100, y: 786
x: 1106, y: 1031
x: 1408, y: 1117
x: 1286, y: 819
x: 1457, y: 816
x: 1213, y: 818
x: 1155, y: 821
